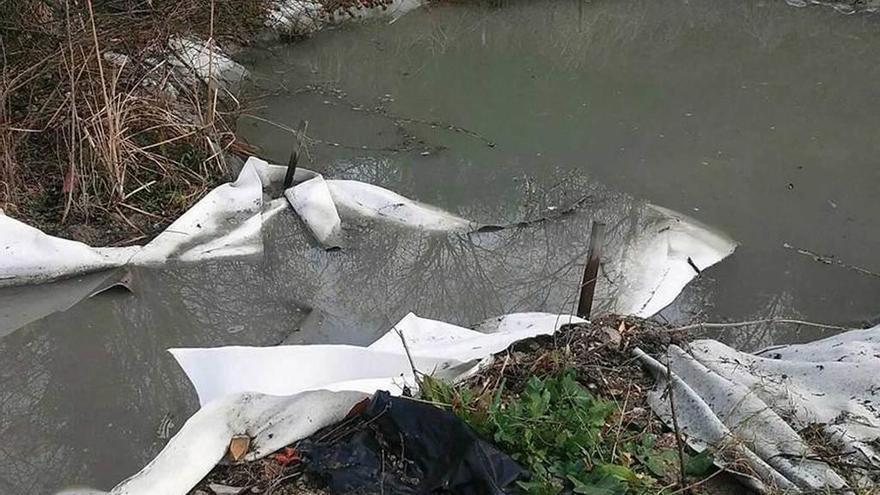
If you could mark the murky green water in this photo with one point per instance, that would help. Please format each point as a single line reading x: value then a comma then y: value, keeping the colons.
x: 750, y: 116
x: 754, y: 117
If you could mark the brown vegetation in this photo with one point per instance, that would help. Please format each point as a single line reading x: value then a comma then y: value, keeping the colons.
x: 100, y: 139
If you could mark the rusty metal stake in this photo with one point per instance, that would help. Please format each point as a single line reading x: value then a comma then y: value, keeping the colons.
x: 291, y: 169
x: 591, y: 271
x: 294, y: 155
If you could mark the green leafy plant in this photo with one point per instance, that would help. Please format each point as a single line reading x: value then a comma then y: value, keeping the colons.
x: 555, y: 428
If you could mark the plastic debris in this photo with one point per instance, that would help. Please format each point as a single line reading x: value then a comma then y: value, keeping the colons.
x: 32, y: 256
x: 271, y: 422
x: 197, y: 59
x: 669, y: 250
x: 226, y: 490
x: 399, y: 445
x: 226, y: 222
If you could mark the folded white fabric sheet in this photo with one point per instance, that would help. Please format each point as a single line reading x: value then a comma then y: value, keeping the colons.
x: 754, y: 406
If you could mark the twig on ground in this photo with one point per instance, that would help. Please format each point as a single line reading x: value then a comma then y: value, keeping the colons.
x: 830, y: 260
x: 690, y: 488
x: 678, y: 440
x: 409, y: 357
x: 757, y: 322
x: 620, y: 424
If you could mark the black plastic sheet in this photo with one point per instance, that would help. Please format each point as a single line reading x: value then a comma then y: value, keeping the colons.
x: 403, y: 446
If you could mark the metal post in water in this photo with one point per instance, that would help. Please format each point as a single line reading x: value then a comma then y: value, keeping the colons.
x: 294, y: 155
x: 291, y: 169
x: 591, y: 271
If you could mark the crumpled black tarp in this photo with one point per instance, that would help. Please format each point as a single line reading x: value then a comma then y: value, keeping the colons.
x: 403, y: 446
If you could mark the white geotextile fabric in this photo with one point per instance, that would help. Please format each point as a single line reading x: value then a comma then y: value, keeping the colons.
x: 435, y: 346
x: 313, y: 202
x: 648, y: 269
x: 226, y: 222
x: 30, y: 256
x: 662, y: 258
x: 754, y: 406
x: 322, y: 204
x: 271, y: 422
x: 278, y: 395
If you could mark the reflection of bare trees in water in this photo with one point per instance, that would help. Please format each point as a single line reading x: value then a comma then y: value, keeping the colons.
x: 76, y: 383
x: 24, y: 379
x: 118, y: 345
x: 385, y: 271
x: 755, y: 337
x: 579, y: 35
x: 462, y: 278
x: 85, y: 393
x: 372, y: 170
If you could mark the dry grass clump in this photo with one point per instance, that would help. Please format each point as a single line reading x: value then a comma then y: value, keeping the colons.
x: 100, y: 139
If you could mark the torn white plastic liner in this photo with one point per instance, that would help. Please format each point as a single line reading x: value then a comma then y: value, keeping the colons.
x: 319, y: 385
x: 359, y: 199
x: 426, y: 337
x: 226, y: 222
x: 752, y: 407
x: 30, y: 256
x: 304, y: 17
x: 647, y: 271
x: 313, y: 202
x: 668, y: 251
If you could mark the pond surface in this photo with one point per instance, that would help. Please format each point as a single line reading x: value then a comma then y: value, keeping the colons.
x: 752, y: 117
